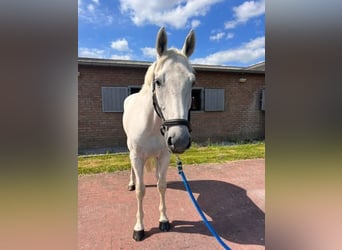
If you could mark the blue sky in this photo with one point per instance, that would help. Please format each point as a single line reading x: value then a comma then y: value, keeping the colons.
x: 228, y: 32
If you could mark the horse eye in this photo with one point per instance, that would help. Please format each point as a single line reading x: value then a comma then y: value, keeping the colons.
x: 157, y: 82
x: 193, y: 83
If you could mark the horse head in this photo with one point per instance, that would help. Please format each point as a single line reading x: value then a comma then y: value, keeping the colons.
x: 173, y: 78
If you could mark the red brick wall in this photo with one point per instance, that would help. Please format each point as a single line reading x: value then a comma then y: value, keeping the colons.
x: 241, y: 120
x: 97, y: 129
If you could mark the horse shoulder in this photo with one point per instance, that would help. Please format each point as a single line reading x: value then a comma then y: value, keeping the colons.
x: 134, y: 111
x: 129, y: 100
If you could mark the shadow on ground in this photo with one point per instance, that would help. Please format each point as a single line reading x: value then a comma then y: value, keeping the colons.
x: 234, y: 215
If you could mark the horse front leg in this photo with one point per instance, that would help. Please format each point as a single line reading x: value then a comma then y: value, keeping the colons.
x: 131, y: 183
x: 138, y: 168
x: 163, y: 163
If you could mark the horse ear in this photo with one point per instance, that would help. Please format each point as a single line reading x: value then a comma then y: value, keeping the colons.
x: 189, y: 44
x: 161, y: 43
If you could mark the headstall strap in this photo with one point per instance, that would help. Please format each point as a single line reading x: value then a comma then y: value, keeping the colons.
x: 167, y: 123
x: 155, y: 102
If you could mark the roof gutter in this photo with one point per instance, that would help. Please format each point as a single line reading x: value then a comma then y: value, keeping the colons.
x: 141, y: 64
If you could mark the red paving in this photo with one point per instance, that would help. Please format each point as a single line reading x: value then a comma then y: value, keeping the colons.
x: 232, y: 196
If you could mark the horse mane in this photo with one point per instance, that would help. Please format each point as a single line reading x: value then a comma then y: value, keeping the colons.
x: 157, y: 65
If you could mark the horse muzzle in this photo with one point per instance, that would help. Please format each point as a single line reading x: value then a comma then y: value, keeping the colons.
x: 178, y: 139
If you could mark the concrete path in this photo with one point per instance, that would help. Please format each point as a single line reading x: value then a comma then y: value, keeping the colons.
x: 232, y: 196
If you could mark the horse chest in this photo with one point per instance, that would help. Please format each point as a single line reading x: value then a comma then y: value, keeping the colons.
x: 151, y: 145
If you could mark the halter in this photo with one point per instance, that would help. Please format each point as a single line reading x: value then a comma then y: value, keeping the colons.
x: 166, y: 124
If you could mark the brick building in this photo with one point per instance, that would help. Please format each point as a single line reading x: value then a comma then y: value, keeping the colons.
x: 227, y: 102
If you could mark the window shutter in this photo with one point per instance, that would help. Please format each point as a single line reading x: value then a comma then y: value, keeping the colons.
x: 113, y: 98
x: 262, y: 100
x: 214, y: 100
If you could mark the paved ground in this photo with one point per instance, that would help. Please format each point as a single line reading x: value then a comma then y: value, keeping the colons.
x: 232, y: 196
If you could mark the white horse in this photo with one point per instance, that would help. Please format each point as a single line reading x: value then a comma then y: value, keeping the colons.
x: 156, y: 121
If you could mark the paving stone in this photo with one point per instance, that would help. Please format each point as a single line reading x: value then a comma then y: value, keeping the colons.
x: 231, y: 195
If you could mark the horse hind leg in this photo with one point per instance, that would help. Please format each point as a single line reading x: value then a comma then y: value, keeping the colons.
x: 131, y: 184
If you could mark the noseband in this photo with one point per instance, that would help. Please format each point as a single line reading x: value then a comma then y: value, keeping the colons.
x: 166, y: 124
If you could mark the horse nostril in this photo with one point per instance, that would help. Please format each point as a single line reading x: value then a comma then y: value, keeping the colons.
x: 169, y: 142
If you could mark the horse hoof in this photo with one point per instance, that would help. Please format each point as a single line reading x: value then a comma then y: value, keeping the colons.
x: 131, y: 187
x: 138, y: 235
x: 164, y: 226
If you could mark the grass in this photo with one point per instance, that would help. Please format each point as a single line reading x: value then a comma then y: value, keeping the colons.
x: 195, y: 155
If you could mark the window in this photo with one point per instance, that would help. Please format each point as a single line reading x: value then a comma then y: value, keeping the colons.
x: 113, y: 98
x: 214, y: 100
x: 197, y: 99
x: 262, y: 100
x: 202, y: 99
x: 134, y: 89
x: 207, y: 99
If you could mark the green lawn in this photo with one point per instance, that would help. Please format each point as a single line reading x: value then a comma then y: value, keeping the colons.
x: 195, y: 155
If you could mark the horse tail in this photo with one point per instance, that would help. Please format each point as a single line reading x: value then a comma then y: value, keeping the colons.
x: 150, y: 164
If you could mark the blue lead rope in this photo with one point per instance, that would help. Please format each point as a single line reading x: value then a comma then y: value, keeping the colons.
x: 186, y: 184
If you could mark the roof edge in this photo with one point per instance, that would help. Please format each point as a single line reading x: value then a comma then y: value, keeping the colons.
x: 112, y: 62
x: 145, y: 64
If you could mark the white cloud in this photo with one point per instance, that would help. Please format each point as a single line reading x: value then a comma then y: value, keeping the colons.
x: 230, y: 24
x: 91, y: 7
x: 149, y: 52
x: 220, y: 35
x: 91, y: 53
x: 121, y: 57
x: 249, y: 9
x: 246, y: 54
x: 102, y: 53
x: 120, y: 45
x: 90, y: 11
x: 175, y: 13
x: 230, y: 35
x: 79, y: 3
x: 246, y: 11
x: 256, y: 43
x: 195, y: 23
x: 217, y: 37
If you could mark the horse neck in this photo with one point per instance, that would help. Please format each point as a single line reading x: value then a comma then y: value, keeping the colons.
x: 153, y: 121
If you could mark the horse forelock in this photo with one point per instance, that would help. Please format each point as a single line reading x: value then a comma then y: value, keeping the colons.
x: 158, y: 64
